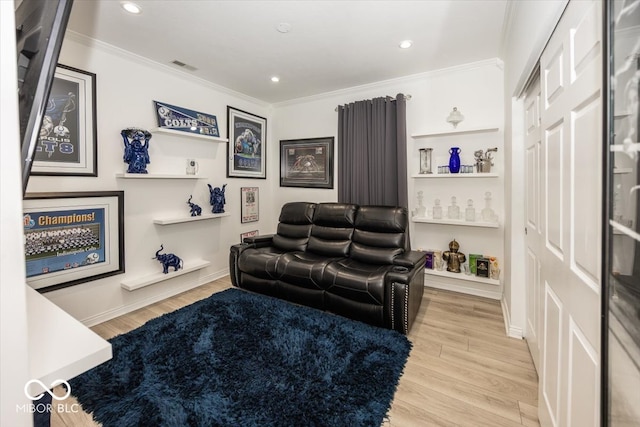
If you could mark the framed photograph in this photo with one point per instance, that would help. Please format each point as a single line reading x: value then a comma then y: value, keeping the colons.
x: 247, y: 148
x: 306, y: 163
x: 250, y: 209
x: 252, y: 233
x: 182, y: 119
x: 72, y: 238
x: 68, y: 136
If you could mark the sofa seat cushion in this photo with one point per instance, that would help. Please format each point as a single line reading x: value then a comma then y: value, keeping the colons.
x: 260, y: 262
x: 303, y: 269
x: 356, y: 281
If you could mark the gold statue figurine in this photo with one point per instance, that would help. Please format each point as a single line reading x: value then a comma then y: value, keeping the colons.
x: 453, y: 257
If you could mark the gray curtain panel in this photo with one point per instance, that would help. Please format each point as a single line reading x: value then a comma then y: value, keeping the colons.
x: 372, y: 152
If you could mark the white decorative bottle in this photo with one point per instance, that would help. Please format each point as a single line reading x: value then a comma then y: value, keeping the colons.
x: 487, y: 213
x: 470, y: 211
x: 437, y: 210
x: 454, y: 210
x: 421, y: 211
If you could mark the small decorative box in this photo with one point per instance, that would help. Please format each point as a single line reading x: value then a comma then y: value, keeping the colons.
x: 482, y: 267
x: 428, y: 263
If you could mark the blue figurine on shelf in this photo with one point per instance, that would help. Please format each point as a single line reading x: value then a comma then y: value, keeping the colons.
x: 216, y: 198
x: 168, y: 260
x: 195, y: 209
x: 136, y: 152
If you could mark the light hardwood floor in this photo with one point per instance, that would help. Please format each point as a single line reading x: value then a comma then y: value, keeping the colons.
x: 462, y: 371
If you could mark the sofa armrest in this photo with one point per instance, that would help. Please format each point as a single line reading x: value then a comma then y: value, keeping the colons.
x: 410, y: 259
x: 259, y: 241
x: 404, y: 287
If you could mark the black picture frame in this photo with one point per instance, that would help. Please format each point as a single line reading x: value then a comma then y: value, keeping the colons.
x: 247, y: 146
x: 73, y: 238
x: 68, y: 141
x: 307, y: 163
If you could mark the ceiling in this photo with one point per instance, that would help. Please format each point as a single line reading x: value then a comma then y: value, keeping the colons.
x: 332, y: 45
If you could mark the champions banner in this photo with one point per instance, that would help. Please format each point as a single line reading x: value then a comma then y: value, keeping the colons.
x: 63, y: 239
x: 185, y: 120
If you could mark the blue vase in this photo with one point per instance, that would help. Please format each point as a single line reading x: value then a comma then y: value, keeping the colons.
x: 454, y: 160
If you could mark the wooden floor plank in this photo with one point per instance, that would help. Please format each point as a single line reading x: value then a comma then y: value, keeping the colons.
x: 462, y: 371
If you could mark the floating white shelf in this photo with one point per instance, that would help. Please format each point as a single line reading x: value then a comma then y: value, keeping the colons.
x: 634, y: 146
x: 621, y: 115
x: 157, y: 176
x: 176, y: 220
x: 455, y: 175
x: 189, y: 135
x: 456, y: 222
x: 462, y: 276
x: 623, y: 229
x: 622, y: 170
x: 454, y: 132
x: 189, y: 266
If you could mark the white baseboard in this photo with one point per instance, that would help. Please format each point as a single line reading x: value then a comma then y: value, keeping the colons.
x: 512, y: 331
x: 497, y: 295
x: 185, y: 286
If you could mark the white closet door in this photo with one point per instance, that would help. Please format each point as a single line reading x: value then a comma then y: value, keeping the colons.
x: 571, y: 205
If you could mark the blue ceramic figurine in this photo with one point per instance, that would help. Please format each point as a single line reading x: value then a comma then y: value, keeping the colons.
x: 136, y: 153
x: 195, y: 209
x: 216, y: 198
x: 168, y: 260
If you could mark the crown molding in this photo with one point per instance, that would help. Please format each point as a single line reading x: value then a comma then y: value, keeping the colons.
x: 497, y: 62
x: 108, y: 48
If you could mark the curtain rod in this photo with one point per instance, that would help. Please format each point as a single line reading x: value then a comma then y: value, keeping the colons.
x: 406, y: 98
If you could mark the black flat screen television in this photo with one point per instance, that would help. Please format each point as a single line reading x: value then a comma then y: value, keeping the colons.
x: 40, y: 28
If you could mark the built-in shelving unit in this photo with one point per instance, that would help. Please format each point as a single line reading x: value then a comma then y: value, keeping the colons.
x: 455, y: 175
x: 157, y: 176
x: 179, y: 219
x: 462, y: 276
x: 447, y: 221
x: 189, y: 135
x: 189, y: 266
x: 434, y: 134
x: 436, y: 231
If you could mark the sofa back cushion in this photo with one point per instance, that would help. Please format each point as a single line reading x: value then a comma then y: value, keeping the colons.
x: 332, y: 229
x: 294, y: 227
x: 380, y: 234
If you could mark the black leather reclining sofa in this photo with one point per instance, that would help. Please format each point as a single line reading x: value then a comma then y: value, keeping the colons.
x: 350, y: 260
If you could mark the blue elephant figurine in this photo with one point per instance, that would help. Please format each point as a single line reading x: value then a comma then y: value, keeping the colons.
x: 168, y: 260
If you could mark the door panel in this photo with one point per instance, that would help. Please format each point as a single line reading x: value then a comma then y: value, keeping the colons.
x: 553, y: 195
x: 583, y: 379
x: 552, y: 350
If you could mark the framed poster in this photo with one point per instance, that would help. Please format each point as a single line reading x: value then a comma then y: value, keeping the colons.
x: 252, y: 233
x: 250, y: 209
x: 68, y: 136
x: 72, y: 238
x: 247, y: 148
x: 306, y: 163
x: 184, y: 120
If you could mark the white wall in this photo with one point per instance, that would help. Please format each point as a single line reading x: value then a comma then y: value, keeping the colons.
x: 14, y: 356
x: 529, y: 26
x: 126, y: 87
x: 476, y: 89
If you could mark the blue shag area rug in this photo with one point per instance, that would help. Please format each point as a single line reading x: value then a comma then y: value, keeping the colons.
x: 243, y: 359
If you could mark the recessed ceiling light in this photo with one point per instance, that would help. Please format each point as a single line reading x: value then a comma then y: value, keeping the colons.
x: 275, y: 79
x: 131, y: 7
x: 283, y: 27
x: 406, y: 44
